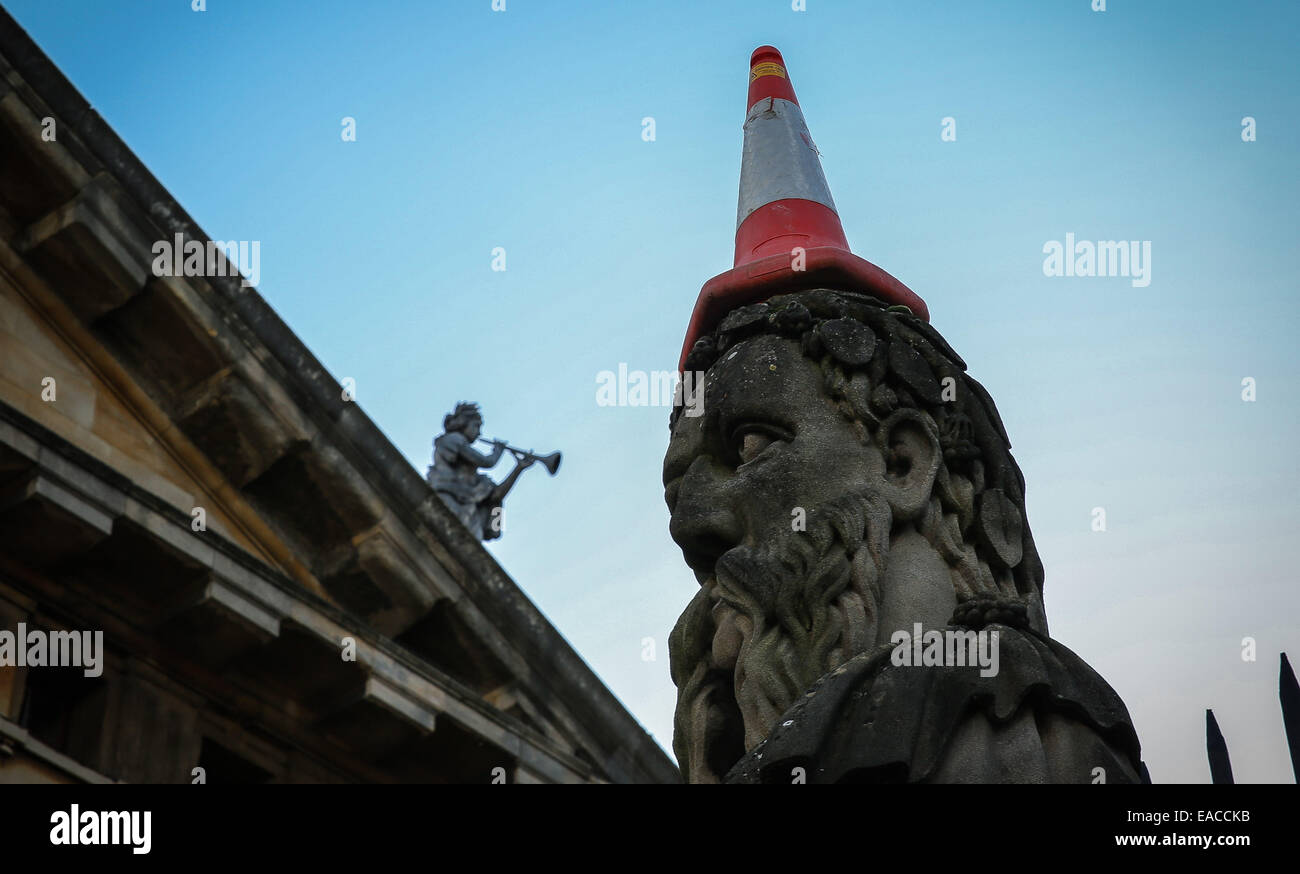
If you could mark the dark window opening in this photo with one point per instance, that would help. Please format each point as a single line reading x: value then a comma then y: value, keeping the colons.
x: 64, y: 709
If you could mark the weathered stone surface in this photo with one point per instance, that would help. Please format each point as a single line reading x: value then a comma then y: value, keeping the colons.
x: 848, y: 341
x: 830, y: 503
x: 155, y: 334
x: 91, y: 249
x: 908, y: 365
x: 232, y: 424
x: 218, y: 623
x: 48, y: 524
x: 36, y: 175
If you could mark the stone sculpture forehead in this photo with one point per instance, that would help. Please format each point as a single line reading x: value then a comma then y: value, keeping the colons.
x: 761, y: 373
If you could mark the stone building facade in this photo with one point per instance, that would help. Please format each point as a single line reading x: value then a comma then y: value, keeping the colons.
x: 178, y: 472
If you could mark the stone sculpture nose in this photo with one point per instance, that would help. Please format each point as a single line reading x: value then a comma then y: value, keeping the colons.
x: 704, y: 522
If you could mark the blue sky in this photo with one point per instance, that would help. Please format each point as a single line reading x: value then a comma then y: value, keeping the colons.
x: 522, y: 129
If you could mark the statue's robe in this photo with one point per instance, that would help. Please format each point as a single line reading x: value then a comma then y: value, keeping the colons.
x: 455, y: 477
x: 1045, y: 717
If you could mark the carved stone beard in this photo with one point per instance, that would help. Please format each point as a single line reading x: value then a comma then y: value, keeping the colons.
x: 771, y: 622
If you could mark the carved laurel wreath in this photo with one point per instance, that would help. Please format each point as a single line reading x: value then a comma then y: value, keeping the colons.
x: 878, y: 359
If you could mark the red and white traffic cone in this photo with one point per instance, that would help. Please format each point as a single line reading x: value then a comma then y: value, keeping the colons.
x: 788, y: 234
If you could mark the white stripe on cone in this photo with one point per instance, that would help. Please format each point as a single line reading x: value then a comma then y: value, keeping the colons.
x: 779, y: 160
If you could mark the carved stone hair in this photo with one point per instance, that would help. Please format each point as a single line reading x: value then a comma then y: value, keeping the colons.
x: 459, y: 419
x: 876, y: 360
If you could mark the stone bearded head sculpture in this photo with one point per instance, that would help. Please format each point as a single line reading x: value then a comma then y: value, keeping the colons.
x: 846, y: 483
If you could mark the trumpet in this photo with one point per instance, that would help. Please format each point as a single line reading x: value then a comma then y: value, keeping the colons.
x: 550, y: 462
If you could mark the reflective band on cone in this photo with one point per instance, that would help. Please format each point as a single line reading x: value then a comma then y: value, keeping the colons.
x: 784, y: 199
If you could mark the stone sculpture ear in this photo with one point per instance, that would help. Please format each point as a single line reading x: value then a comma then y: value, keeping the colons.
x: 910, y: 446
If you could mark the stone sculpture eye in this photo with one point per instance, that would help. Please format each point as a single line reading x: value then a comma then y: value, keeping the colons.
x: 751, y: 440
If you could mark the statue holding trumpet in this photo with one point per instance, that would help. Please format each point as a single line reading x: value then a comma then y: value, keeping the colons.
x: 474, y: 497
